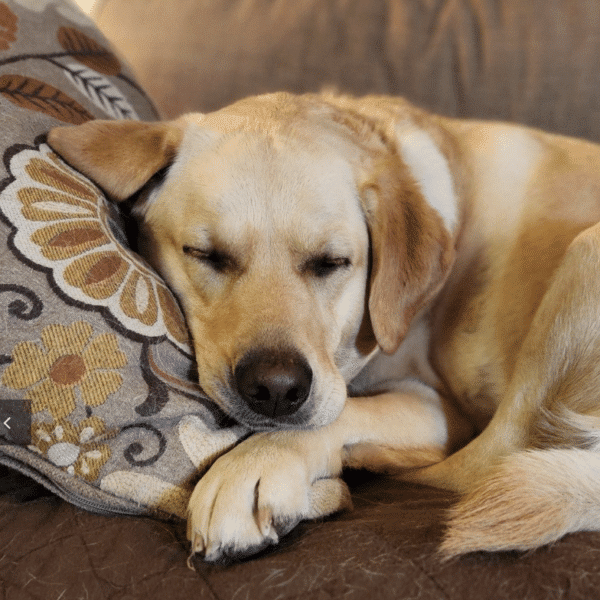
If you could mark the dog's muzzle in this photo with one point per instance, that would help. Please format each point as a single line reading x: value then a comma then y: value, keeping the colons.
x: 273, y: 383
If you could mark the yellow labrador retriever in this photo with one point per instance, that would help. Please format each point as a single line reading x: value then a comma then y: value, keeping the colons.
x: 363, y: 281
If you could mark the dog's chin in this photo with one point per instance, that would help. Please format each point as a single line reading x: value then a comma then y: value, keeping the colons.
x: 314, y: 413
x: 257, y: 422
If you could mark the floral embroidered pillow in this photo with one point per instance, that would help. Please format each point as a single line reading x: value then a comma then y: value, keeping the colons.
x: 98, y: 397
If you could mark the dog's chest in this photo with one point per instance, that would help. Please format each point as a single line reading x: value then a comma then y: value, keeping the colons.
x: 410, y: 361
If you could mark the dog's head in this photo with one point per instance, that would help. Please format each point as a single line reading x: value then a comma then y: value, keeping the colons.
x: 294, y: 233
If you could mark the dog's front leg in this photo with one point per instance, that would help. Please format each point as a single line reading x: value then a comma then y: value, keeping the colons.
x: 268, y: 483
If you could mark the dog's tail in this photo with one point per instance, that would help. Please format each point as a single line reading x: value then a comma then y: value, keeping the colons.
x: 532, y: 498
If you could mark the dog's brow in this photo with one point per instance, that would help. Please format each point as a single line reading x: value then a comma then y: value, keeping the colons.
x: 196, y: 237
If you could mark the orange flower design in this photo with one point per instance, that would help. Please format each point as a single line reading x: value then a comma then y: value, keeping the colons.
x: 65, y: 223
x: 8, y: 26
x: 71, y: 363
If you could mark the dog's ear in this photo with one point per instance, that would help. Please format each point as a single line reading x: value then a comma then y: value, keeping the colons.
x: 412, y: 249
x: 120, y: 156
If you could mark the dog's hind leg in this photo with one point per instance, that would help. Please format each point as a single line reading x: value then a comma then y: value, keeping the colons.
x: 534, y: 472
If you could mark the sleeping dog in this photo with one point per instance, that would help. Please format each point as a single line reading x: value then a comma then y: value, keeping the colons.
x: 369, y: 285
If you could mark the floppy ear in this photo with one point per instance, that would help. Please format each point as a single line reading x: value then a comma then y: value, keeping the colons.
x: 120, y: 156
x: 412, y: 250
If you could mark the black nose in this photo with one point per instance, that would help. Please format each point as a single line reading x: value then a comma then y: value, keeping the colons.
x: 273, y: 383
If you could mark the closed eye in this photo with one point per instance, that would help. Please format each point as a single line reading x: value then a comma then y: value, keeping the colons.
x: 325, y: 265
x: 218, y: 261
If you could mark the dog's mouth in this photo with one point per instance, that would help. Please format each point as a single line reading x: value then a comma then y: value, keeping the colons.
x: 239, y: 410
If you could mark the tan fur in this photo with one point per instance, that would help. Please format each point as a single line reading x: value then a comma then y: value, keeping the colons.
x: 411, y: 251
x: 530, y: 499
x: 464, y: 296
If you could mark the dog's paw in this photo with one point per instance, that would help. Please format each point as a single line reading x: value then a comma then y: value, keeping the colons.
x: 258, y: 492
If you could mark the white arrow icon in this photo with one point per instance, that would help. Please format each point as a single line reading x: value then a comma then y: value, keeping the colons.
x: 6, y: 422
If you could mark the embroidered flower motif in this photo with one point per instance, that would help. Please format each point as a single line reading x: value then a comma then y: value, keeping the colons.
x: 71, y: 448
x: 64, y: 223
x: 70, y: 364
x: 8, y: 27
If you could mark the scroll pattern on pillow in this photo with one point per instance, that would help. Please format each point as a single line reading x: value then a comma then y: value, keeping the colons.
x: 98, y: 394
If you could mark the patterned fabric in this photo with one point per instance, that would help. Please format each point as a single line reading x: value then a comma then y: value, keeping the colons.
x: 98, y: 397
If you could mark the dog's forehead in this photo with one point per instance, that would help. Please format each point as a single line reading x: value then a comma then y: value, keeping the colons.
x: 265, y: 178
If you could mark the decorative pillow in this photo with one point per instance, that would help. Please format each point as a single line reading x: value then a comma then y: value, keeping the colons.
x: 98, y: 397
